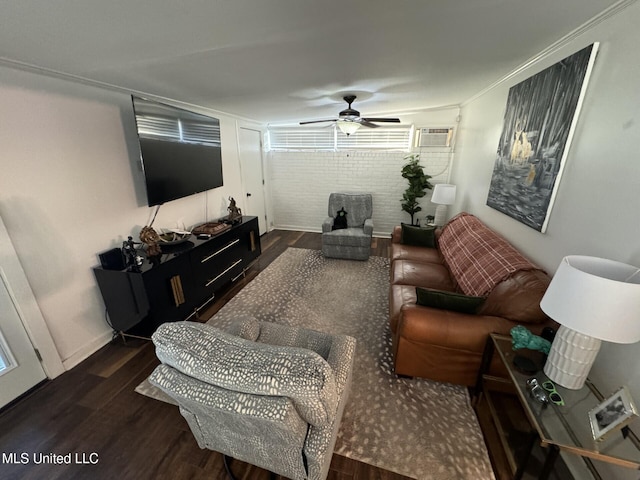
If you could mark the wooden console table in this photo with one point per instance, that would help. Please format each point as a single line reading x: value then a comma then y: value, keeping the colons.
x: 556, y: 428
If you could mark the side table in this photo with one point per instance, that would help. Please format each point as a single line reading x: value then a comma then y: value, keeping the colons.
x: 557, y: 428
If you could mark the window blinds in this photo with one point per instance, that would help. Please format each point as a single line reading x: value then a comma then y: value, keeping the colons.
x: 330, y: 138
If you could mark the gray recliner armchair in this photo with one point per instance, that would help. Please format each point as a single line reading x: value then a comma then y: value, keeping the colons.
x: 353, y: 242
x: 267, y: 394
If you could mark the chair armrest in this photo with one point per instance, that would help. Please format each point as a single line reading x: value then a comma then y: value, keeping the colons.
x: 327, y: 224
x: 272, y: 432
x: 368, y: 226
x: 337, y: 350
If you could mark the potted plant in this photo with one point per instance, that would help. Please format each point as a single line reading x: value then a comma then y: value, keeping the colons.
x: 418, y: 185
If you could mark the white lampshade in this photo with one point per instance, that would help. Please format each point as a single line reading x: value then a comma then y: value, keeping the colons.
x: 443, y: 194
x: 348, y: 127
x: 593, y: 299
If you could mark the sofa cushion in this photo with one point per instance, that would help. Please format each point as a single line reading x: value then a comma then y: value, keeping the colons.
x: 352, y: 237
x: 219, y: 358
x: 418, y: 236
x: 457, y: 302
x: 418, y: 274
x: 399, y: 251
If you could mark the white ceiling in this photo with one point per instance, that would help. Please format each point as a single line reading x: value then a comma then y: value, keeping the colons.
x: 278, y: 61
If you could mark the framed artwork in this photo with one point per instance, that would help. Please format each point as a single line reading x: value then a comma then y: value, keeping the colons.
x: 539, y: 121
x: 612, y: 414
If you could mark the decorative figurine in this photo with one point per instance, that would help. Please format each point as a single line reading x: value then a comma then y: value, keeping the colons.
x: 132, y: 259
x: 340, y: 221
x: 235, y: 214
x: 151, y: 238
x: 523, y: 338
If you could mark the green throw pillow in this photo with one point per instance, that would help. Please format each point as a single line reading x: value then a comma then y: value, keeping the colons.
x: 448, y: 300
x: 418, y: 236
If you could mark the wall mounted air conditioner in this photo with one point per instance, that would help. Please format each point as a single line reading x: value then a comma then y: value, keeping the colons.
x: 434, y: 137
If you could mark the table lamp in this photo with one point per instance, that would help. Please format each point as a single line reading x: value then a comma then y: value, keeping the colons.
x: 593, y: 299
x: 443, y: 194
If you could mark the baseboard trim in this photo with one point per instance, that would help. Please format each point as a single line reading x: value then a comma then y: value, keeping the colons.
x: 87, y: 350
x: 292, y: 228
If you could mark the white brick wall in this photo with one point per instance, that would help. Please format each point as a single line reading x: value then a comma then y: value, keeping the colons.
x: 300, y: 184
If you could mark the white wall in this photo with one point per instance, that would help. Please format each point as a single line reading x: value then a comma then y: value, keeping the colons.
x: 596, y: 209
x: 300, y: 182
x: 71, y: 187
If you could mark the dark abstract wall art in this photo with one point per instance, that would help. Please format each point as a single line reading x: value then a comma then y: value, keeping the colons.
x: 539, y: 122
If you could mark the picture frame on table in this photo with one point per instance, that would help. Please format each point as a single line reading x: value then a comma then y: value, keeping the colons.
x: 612, y: 414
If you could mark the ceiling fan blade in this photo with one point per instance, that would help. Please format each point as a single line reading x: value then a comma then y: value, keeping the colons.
x: 319, y: 121
x: 352, y: 115
x: 391, y: 120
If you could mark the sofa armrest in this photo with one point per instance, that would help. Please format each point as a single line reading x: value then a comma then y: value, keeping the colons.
x: 449, y: 329
x: 368, y: 226
x: 518, y: 297
x: 396, y: 234
x: 327, y: 224
x: 462, y: 331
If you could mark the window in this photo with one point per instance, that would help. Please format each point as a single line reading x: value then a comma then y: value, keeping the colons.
x: 302, y: 138
x: 331, y: 139
x: 7, y: 361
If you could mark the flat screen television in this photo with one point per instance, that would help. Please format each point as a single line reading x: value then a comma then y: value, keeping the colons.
x: 180, y: 151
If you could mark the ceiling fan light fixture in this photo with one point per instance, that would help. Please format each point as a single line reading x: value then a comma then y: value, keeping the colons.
x: 348, y: 127
x: 350, y: 120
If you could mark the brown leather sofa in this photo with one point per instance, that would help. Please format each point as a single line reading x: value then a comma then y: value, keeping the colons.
x: 446, y: 345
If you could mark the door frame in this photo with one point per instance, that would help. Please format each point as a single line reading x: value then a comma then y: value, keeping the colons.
x: 260, y: 131
x: 27, y: 307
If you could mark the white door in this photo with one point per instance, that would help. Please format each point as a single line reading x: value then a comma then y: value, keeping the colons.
x: 252, y: 175
x: 20, y: 368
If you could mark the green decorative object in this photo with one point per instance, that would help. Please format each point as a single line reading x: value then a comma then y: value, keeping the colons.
x: 523, y: 338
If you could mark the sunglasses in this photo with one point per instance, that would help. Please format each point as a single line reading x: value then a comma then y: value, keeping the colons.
x: 545, y: 393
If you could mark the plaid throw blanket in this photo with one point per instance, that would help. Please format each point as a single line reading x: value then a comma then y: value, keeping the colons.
x: 478, y: 257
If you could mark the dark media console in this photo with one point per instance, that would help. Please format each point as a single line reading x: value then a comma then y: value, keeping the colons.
x: 186, y: 277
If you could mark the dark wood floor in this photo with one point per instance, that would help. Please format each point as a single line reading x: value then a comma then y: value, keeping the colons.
x: 92, y: 413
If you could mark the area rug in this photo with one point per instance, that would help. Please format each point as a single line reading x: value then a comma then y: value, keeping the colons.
x: 415, y: 427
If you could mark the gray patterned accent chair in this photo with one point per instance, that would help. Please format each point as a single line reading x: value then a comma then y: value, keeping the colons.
x: 353, y: 242
x: 263, y: 393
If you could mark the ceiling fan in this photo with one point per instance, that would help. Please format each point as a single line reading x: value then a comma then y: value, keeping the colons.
x: 349, y: 120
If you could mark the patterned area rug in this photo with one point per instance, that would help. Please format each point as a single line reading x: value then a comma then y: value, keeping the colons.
x: 415, y: 427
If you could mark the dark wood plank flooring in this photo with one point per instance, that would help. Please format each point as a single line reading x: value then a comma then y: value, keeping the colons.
x: 92, y: 416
